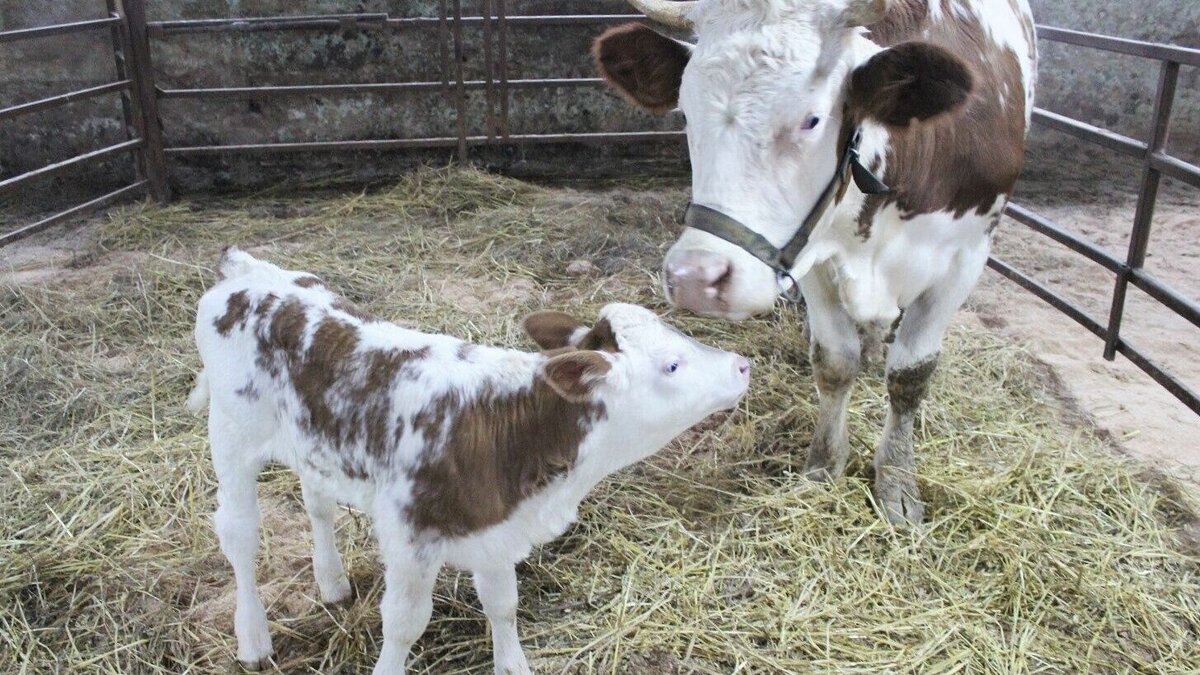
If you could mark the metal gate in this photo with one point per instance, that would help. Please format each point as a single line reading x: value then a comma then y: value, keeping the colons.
x: 131, y: 35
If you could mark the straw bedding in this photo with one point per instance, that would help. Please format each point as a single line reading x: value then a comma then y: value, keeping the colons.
x: 1042, y: 550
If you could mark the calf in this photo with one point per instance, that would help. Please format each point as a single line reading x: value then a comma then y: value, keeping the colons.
x: 462, y: 454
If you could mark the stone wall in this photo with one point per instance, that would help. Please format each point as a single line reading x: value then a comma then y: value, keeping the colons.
x: 1112, y: 91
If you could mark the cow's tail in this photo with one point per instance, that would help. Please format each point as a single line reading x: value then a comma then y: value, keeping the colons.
x: 197, y: 401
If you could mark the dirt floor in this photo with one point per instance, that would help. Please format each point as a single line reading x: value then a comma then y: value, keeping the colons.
x: 1043, y: 550
x: 1095, y: 195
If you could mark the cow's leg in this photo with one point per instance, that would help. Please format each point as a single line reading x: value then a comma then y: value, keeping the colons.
x: 237, y: 522
x: 912, y: 359
x: 497, y: 589
x: 332, y: 582
x: 835, y: 354
x: 409, y: 573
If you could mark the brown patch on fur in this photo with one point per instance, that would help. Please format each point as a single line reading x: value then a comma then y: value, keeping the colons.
x: 645, y: 68
x: 284, y: 333
x: 499, y: 449
x: 343, y: 305
x: 248, y: 391
x: 308, y: 281
x: 907, y: 386
x: 911, y: 81
x: 333, y: 370
x: 264, y: 306
x: 550, y: 329
x: 965, y: 164
x: 575, y: 374
x: 600, y: 338
x: 463, y: 353
x: 237, y: 306
x: 329, y: 358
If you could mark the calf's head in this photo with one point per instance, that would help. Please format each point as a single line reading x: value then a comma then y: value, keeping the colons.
x: 654, y: 381
x: 771, y: 91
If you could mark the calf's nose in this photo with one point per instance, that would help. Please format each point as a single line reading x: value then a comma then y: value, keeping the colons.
x: 695, y: 278
x: 743, y: 365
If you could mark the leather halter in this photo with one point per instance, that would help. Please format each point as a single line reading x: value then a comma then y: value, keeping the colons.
x: 783, y: 259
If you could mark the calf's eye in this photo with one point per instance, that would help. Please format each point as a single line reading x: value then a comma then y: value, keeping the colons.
x: 810, y: 122
x: 671, y: 367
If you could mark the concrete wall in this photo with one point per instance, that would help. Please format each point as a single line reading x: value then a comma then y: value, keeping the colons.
x: 1113, y: 91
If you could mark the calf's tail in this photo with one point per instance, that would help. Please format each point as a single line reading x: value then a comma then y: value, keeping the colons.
x: 197, y: 401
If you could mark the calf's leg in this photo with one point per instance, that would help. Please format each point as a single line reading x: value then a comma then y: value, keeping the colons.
x: 409, y: 573
x: 236, y: 521
x: 332, y: 582
x: 835, y: 355
x: 497, y: 589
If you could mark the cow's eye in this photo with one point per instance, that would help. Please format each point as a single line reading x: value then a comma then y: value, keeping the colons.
x: 810, y: 122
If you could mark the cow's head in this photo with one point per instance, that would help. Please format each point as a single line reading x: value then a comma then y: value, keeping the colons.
x: 770, y: 93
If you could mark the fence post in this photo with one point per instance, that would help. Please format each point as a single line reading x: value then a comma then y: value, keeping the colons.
x: 460, y: 97
x: 147, y: 99
x: 1139, y: 238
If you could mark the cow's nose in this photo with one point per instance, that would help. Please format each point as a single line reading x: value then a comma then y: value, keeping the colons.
x: 695, y: 280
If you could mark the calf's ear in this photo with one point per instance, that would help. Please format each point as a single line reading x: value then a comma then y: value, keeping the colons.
x: 550, y: 329
x: 643, y: 66
x: 911, y: 81
x: 575, y: 374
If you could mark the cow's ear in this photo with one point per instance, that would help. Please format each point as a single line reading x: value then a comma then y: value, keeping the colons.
x: 911, y: 81
x: 552, y: 330
x: 575, y: 374
x: 642, y: 66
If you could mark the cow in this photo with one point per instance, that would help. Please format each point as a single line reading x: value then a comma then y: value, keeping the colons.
x: 462, y: 454
x: 857, y: 154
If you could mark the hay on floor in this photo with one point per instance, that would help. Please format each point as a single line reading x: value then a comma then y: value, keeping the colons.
x: 1042, y: 550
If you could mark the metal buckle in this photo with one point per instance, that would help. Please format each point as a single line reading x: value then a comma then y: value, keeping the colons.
x: 790, y: 293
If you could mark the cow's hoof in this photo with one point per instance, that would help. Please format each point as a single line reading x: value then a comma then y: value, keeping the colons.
x: 821, y: 468
x: 901, y: 509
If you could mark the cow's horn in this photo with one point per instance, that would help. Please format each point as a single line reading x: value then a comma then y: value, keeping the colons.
x: 865, y: 12
x: 665, y: 12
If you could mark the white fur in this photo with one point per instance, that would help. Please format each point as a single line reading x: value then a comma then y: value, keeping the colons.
x: 645, y: 408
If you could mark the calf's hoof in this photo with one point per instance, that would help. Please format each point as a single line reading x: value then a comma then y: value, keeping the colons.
x: 256, y: 665
x: 337, y: 594
x: 521, y: 668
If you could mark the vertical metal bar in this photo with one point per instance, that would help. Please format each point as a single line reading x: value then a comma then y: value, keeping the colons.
x: 132, y: 124
x: 443, y: 38
x: 502, y: 65
x: 143, y: 86
x: 488, y: 93
x: 1139, y: 238
x: 461, y: 93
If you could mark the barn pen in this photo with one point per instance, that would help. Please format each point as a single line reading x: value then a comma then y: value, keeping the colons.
x: 1044, y: 547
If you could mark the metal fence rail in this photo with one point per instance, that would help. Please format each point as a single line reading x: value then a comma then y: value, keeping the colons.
x: 1156, y: 163
x: 127, y: 85
x: 131, y: 35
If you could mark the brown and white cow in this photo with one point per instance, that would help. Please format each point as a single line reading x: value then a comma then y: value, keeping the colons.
x: 462, y: 454
x: 865, y: 148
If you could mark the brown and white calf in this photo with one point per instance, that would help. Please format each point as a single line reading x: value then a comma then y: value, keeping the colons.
x: 461, y: 453
x: 938, y: 94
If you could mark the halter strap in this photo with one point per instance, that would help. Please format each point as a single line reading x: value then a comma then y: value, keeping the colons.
x: 783, y: 259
